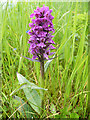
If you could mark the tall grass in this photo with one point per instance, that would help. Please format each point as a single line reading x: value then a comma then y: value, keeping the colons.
x: 66, y: 77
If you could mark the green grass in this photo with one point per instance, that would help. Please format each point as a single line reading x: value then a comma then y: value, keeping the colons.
x: 67, y: 75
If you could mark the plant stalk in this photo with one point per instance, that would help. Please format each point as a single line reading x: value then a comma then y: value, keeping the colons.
x: 42, y: 82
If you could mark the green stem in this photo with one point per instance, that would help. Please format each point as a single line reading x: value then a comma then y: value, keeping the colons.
x: 42, y: 70
x: 42, y: 82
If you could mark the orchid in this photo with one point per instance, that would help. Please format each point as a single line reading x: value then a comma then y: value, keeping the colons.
x: 41, y: 43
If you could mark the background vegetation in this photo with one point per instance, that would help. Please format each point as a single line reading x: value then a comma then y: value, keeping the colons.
x: 66, y: 77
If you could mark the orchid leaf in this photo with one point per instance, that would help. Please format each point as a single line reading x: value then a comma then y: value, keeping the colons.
x: 17, y: 88
x: 29, y: 85
x: 31, y: 94
x: 23, y: 107
x: 32, y: 86
x: 47, y: 64
x: 34, y: 60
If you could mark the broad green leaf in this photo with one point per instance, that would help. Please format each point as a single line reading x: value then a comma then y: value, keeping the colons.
x: 23, y: 107
x: 47, y: 64
x: 25, y: 85
x: 17, y: 88
x: 31, y: 94
x: 32, y: 86
x: 74, y: 115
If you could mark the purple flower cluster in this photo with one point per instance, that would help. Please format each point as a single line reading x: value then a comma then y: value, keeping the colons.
x: 41, y: 33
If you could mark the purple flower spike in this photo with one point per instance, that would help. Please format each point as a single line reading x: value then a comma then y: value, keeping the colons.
x: 41, y: 33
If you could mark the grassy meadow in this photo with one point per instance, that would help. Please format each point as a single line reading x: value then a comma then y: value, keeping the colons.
x: 66, y: 76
